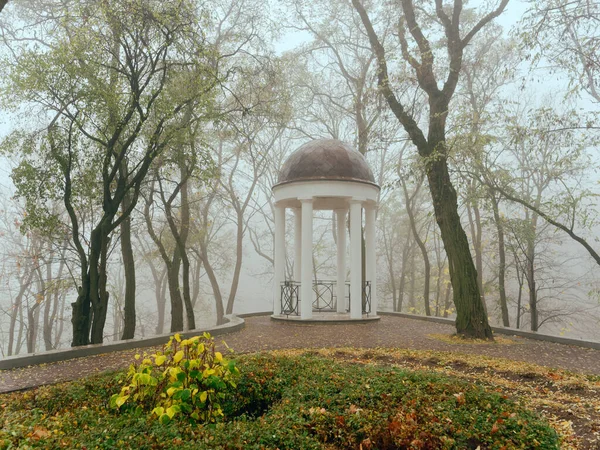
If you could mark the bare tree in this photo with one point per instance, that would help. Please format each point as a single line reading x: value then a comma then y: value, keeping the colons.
x: 471, y: 318
x: 235, y: 188
x: 567, y: 33
x: 547, y: 166
x: 410, y: 204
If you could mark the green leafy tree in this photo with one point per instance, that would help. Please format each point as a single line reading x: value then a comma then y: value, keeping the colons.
x: 113, y: 88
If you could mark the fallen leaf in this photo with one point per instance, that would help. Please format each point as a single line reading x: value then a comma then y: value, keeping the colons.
x: 460, y: 398
x: 40, y: 433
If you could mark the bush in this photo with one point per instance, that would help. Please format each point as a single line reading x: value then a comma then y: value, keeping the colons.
x: 188, y: 378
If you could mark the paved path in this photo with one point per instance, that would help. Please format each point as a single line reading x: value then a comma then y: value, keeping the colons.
x: 261, y: 333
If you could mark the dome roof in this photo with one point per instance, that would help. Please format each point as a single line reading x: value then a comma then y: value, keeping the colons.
x: 326, y: 159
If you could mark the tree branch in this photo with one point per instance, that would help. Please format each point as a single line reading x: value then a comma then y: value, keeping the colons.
x: 407, y: 121
x: 425, y: 75
x: 483, y: 22
x: 547, y: 218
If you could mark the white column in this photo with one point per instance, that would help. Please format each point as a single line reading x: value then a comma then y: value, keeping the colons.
x: 306, y: 288
x: 297, y: 244
x: 371, y: 261
x: 279, y: 257
x: 356, y: 260
x: 341, y: 260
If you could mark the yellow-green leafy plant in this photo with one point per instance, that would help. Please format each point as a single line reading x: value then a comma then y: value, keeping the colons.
x: 188, y: 378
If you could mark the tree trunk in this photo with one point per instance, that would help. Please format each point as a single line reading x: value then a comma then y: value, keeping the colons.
x: 196, y: 281
x: 519, y: 298
x: 421, y: 244
x: 238, y: 262
x: 99, y: 294
x: 389, y: 257
x: 33, y: 315
x: 183, y: 235
x: 438, y: 288
x: 501, y: 261
x: 81, y: 314
x: 479, y: 253
x: 175, y: 293
x: 401, y: 286
x: 53, y: 297
x: 160, y: 291
x: 54, y: 318
x: 162, y: 303
x: 172, y: 263
x: 531, y: 284
x: 129, y: 271
x: 21, y: 329
x: 413, y: 275
x: 117, y: 318
x: 48, y: 321
x: 393, y: 286
x: 15, y: 307
x: 61, y: 317
x: 475, y: 225
x: 406, y: 251
x: 179, y: 299
x: 214, y: 284
x: 81, y: 308
x: 471, y: 320
x: 187, y: 298
x: 92, y: 302
x: 447, y: 299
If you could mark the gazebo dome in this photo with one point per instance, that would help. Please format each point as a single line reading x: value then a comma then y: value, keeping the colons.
x: 325, y: 174
x: 325, y: 159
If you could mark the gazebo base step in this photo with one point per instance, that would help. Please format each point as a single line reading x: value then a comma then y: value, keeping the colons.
x: 326, y: 318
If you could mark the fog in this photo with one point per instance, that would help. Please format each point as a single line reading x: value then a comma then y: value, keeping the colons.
x: 106, y: 159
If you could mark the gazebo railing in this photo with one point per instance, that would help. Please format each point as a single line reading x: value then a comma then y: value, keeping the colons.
x: 326, y: 297
x: 289, y: 298
x: 366, y: 298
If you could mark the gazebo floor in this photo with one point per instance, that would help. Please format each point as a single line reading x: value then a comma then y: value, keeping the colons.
x: 328, y: 318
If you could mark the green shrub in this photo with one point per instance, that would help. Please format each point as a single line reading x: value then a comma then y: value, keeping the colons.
x: 189, y: 378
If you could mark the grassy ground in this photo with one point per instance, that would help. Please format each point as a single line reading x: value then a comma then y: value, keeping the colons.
x: 342, y: 398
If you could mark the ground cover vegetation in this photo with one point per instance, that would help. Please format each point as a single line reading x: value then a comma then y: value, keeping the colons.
x: 337, y: 398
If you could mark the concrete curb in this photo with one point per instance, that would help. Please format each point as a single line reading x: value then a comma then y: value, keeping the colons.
x: 255, y: 314
x: 296, y: 320
x: 417, y: 317
x: 506, y: 331
x: 235, y: 323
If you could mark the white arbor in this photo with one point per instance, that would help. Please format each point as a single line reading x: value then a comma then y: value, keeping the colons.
x: 326, y: 174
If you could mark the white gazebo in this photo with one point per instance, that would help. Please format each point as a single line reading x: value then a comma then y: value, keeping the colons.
x: 326, y: 174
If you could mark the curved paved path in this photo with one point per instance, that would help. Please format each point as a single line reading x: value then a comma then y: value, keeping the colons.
x: 261, y: 333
